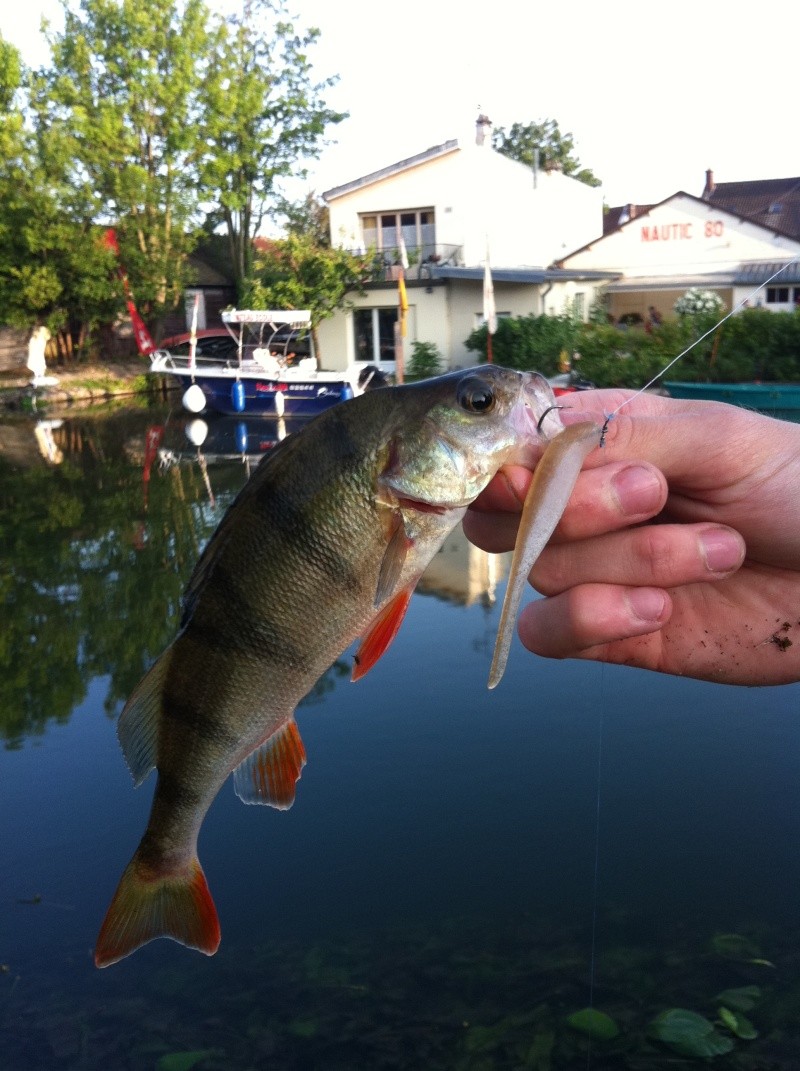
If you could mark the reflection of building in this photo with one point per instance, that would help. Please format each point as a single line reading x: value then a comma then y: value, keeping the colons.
x: 462, y: 573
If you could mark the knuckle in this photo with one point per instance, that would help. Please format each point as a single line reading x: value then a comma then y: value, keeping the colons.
x: 659, y: 551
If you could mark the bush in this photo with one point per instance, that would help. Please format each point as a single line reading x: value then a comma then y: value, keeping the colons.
x: 426, y: 361
x: 753, y: 345
x: 529, y: 343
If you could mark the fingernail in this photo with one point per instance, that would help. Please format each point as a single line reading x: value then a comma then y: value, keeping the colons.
x: 721, y: 549
x: 638, y: 490
x: 647, y: 603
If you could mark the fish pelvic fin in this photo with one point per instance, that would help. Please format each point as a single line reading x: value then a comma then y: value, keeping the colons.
x: 148, y: 904
x: 269, y: 774
x: 380, y: 634
x: 137, y: 728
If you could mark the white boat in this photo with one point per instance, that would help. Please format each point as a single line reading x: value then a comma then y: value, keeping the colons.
x: 270, y: 367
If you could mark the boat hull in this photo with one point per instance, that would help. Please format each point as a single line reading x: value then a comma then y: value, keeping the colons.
x: 261, y: 396
x: 234, y: 393
x: 767, y: 397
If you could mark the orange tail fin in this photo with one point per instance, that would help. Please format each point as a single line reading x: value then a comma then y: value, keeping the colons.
x: 148, y: 905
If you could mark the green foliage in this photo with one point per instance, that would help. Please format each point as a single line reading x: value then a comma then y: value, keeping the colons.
x: 153, y: 115
x: 185, y: 1061
x: 529, y: 343
x: 262, y: 115
x: 689, y: 1034
x: 594, y: 1023
x: 296, y: 273
x: 523, y: 141
x: 738, y: 1024
x: 53, y: 268
x: 425, y: 361
x: 742, y: 999
x: 117, y: 121
x: 308, y: 218
x: 753, y: 345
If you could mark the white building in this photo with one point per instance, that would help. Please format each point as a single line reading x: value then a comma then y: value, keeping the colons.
x: 687, y: 241
x: 451, y: 204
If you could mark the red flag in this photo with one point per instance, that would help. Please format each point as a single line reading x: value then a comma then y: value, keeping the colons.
x: 144, y: 342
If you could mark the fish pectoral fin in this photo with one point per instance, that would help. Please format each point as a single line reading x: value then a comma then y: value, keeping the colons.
x: 137, y: 728
x: 270, y: 772
x: 393, y: 559
x: 381, y: 632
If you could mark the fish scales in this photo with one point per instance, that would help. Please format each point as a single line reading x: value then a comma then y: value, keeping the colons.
x: 323, y: 545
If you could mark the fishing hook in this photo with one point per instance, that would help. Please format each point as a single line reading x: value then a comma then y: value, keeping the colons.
x: 549, y: 409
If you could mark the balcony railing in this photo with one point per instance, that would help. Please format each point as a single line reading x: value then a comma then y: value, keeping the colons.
x: 383, y: 264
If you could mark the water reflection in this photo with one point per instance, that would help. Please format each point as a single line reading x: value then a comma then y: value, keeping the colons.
x: 102, y: 519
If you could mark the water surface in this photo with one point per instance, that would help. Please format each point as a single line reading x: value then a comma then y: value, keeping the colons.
x: 430, y: 899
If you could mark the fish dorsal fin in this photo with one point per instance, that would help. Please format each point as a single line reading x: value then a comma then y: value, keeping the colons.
x: 381, y: 632
x: 393, y: 559
x: 137, y: 729
x: 269, y: 774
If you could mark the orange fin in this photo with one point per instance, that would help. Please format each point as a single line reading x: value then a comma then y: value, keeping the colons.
x: 147, y: 905
x: 393, y: 559
x: 381, y: 633
x: 269, y: 774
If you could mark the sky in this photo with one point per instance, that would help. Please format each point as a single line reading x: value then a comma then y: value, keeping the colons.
x: 653, y: 94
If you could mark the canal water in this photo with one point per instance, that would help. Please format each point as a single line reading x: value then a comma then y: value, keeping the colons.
x: 462, y: 871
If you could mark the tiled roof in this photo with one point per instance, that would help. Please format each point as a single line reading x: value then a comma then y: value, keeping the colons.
x: 771, y: 202
x: 615, y: 217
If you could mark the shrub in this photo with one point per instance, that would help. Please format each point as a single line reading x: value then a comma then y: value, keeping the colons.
x: 426, y: 361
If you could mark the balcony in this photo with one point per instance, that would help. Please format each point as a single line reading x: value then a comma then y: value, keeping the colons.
x: 383, y: 265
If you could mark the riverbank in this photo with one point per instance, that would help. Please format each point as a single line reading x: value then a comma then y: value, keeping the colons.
x: 80, y: 384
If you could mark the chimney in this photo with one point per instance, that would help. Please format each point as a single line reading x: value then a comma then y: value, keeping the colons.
x: 709, y: 187
x: 483, y: 130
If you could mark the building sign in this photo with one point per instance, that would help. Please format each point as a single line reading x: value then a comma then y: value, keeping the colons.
x: 680, y: 232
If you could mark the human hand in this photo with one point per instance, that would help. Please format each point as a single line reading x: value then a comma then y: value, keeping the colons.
x: 710, y: 588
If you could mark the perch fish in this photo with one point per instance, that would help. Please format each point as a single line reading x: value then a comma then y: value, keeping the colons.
x: 324, y: 545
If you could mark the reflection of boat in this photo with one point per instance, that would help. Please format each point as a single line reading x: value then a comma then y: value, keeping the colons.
x: 224, y: 438
x: 269, y: 369
x: 769, y: 397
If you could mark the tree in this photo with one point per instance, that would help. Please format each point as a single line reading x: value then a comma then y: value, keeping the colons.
x: 53, y: 268
x: 117, y: 117
x: 297, y: 273
x: 308, y: 217
x: 263, y: 115
x: 541, y: 144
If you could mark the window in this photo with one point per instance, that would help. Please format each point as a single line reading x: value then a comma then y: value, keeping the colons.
x: 374, y: 334
x: 417, y: 227
x: 777, y: 295
x: 480, y: 320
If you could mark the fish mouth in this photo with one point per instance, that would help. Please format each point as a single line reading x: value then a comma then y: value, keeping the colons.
x: 404, y: 502
x: 535, y: 418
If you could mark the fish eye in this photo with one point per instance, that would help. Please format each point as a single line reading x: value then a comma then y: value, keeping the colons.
x: 476, y: 396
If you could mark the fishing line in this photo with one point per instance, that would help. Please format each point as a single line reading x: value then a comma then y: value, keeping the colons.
x: 596, y: 879
x: 745, y: 301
